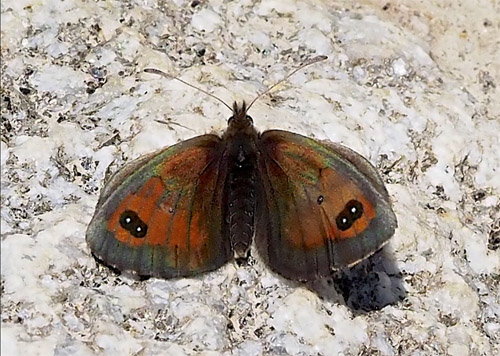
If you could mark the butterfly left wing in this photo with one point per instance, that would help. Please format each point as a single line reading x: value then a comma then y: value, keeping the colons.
x: 322, y: 206
x: 162, y: 214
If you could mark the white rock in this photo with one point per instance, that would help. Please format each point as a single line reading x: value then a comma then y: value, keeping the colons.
x: 205, y: 20
x: 316, y: 40
x: 399, y: 67
x: 34, y: 149
x: 481, y: 260
x: 4, y: 153
x: 59, y: 79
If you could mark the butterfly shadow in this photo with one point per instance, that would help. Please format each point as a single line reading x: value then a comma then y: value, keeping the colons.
x: 368, y: 286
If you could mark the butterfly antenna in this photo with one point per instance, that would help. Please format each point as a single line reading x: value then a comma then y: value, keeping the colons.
x: 159, y: 72
x: 302, y: 66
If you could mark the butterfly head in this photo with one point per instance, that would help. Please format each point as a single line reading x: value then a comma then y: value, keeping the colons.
x: 240, y: 119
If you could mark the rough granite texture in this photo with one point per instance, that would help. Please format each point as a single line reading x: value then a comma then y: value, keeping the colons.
x: 413, y: 86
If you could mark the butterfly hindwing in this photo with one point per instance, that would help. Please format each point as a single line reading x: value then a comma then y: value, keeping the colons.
x: 161, y: 215
x: 322, y: 206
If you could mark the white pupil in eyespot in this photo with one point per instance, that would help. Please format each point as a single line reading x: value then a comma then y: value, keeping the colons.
x: 344, y: 220
x: 139, y: 229
x: 353, y: 209
x: 128, y: 220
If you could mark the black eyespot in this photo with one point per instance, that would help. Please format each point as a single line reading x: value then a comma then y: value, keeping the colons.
x: 321, y: 199
x: 343, y: 222
x: 128, y: 218
x: 131, y: 222
x: 140, y: 230
x: 352, y: 211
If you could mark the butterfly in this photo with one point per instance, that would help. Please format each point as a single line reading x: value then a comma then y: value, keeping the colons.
x: 309, y: 206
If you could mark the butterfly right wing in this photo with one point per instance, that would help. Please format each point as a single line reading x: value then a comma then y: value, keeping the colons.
x: 162, y: 215
x: 322, y: 206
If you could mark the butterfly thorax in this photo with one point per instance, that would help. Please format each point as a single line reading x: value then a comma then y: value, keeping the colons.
x: 241, y: 152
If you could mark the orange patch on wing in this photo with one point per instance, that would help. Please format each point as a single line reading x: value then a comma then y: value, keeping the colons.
x: 197, y: 235
x: 144, y: 204
x: 314, y: 231
x: 332, y: 232
x: 197, y: 238
x: 178, y: 233
x: 160, y: 221
x: 158, y: 228
x: 186, y: 164
x: 338, y: 191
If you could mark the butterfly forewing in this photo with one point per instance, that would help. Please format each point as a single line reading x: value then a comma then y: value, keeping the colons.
x: 319, y: 209
x: 161, y: 215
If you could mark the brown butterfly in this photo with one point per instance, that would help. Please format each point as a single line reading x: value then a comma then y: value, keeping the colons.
x: 311, y: 206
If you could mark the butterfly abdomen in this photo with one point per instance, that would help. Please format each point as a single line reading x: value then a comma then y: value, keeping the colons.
x: 241, y: 185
